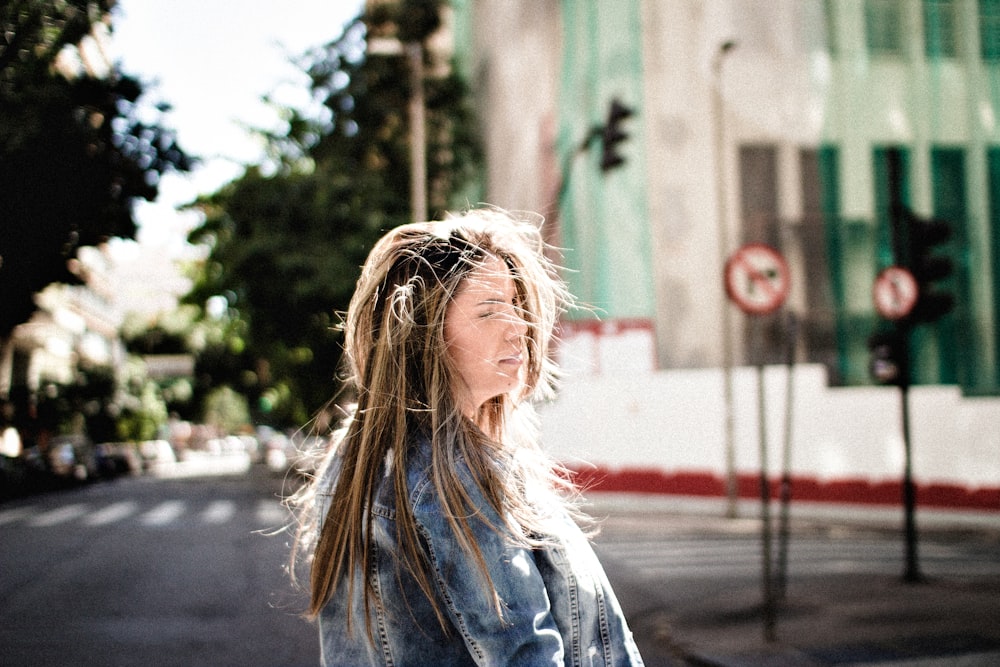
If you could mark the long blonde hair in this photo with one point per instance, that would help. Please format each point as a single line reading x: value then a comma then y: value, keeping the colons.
x: 405, y: 384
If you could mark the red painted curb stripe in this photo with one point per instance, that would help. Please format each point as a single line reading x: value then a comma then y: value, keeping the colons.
x: 860, y: 491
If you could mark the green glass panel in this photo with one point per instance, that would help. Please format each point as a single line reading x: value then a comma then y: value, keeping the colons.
x: 993, y: 175
x: 884, y: 255
x: 989, y: 29
x: 940, y: 28
x: 883, y: 27
x: 829, y: 168
x: 944, y: 351
x: 603, y: 217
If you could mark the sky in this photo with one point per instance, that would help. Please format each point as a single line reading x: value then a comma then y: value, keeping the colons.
x: 212, y: 61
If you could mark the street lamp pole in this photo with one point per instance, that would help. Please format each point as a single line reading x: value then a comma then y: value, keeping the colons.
x: 732, y: 490
x: 418, y: 132
x: 414, y: 52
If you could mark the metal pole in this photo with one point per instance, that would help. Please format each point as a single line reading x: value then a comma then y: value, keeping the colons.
x: 786, y: 460
x: 732, y: 490
x: 765, y: 503
x: 418, y: 133
x: 911, y: 573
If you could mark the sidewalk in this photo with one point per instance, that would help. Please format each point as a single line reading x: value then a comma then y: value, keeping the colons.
x: 844, y: 619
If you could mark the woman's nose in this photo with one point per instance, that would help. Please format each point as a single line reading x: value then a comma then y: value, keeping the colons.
x: 517, y: 326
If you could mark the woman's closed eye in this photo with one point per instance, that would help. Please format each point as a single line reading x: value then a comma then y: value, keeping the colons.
x: 496, y: 308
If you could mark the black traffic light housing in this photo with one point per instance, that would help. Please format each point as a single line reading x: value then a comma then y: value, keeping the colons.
x: 925, y: 238
x: 889, y: 360
x: 612, y: 134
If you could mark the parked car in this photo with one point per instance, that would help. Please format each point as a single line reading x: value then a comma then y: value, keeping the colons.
x: 155, y: 453
x: 297, y: 453
x: 118, y: 458
x: 279, y: 452
x: 72, y: 457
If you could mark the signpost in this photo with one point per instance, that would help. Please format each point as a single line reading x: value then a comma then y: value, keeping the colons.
x: 757, y: 281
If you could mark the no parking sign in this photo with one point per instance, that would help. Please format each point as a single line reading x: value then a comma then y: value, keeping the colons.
x: 895, y: 293
x: 757, y: 279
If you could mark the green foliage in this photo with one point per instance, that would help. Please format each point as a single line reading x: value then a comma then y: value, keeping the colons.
x: 226, y: 410
x: 81, y: 405
x: 144, y: 415
x: 107, y: 404
x: 288, y: 238
x: 76, y: 150
x: 168, y: 332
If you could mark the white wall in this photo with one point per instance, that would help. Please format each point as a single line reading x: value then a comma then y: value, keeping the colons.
x: 626, y: 416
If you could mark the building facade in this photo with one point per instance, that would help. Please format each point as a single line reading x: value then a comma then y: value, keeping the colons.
x: 799, y: 124
x: 753, y: 122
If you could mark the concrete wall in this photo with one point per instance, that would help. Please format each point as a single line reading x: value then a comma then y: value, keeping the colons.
x: 628, y: 423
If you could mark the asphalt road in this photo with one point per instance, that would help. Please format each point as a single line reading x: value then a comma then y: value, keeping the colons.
x: 163, y: 572
x: 692, y: 586
x: 152, y: 572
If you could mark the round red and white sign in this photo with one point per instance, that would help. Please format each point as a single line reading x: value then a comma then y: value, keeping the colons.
x: 757, y: 279
x: 895, y: 293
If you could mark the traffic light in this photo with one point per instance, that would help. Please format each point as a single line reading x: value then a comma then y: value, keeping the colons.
x: 925, y: 238
x: 612, y: 134
x: 888, y: 361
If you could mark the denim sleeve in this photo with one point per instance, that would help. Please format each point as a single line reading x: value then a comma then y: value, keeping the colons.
x: 526, y: 634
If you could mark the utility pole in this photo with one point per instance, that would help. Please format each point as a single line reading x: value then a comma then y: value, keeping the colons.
x: 414, y: 52
x: 732, y: 490
x: 418, y: 132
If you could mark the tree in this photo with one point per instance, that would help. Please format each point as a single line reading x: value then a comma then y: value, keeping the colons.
x: 288, y: 239
x: 76, y: 149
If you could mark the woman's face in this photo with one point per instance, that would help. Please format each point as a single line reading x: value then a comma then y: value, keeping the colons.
x: 485, y: 334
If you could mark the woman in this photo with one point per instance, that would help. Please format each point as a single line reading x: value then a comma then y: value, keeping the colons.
x: 441, y: 534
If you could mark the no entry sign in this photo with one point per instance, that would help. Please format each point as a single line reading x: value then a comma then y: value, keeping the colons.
x: 757, y: 279
x: 895, y: 293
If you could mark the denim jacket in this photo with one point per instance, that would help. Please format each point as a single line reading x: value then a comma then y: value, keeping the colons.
x: 559, y: 608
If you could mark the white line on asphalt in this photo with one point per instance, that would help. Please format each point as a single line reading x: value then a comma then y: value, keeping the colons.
x: 59, y: 515
x: 271, y: 514
x: 220, y: 511
x: 13, y: 515
x: 163, y: 513
x: 112, y: 513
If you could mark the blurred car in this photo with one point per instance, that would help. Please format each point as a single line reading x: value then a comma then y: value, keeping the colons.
x: 156, y: 453
x: 298, y: 454
x: 279, y: 452
x: 72, y: 457
x: 117, y: 458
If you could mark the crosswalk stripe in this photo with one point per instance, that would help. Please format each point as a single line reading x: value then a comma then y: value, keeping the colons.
x: 16, y: 514
x: 268, y: 514
x: 672, y: 558
x: 59, y: 515
x: 163, y: 513
x: 219, y: 511
x: 112, y: 513
x: 692, y: 559
x: 271, y: 514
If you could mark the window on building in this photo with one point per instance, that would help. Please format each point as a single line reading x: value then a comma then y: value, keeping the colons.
x: 830, y: 27
x: 941, y: 21
x: 989, y: 29
x: 953, y: 354
x: 759, y: 193
x: 882, y: 156
x: 818, y: 175
x: 884, y: 27
x: 993, y: 175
